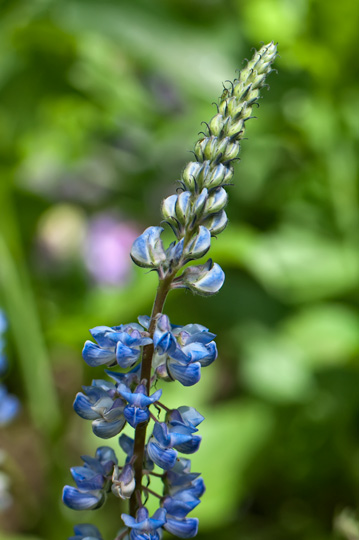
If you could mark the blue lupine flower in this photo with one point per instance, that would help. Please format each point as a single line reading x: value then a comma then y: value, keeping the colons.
x: 92, y: 480
x: 143, y: 527
x: 117, y: 344
x: 184, y: 490
x: 147, y: 250
x: 180, y: 478
x: 136, y: 411
x: 9, y: 406
x: 183, y: 528
x: 184, y: 421
x: 166, y: 441
x: 86, y: 532
x: 181, y: 504
x: 180, y: 351
x: 99, y: 406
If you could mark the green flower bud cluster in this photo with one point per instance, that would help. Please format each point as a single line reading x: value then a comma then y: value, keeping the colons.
x: 198, y: 212
x: 204, y: 198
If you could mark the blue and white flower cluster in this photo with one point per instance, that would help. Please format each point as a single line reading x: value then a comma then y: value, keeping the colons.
x: 179, y: 352
x: 155, y: 350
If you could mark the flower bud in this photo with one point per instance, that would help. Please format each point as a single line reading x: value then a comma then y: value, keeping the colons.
x: 216, y: 223
x: 199, y: 202
x: 190, y: 173
x: 147, y: 250
x: 168, y: 209
x: 205, y: 279
x: 220, y: 174
x: 123, y: 485
x: 183, y: 206
x: 231, y: 151
x: 216, y: 201
x: 199, y: 245
x: 217, y: 124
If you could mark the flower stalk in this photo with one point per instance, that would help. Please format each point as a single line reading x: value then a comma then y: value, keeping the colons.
x: 154, y: 349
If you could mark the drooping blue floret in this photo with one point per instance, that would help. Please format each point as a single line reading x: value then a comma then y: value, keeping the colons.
x: 183, y: 528
x: 181, y: 351
x: 86, y: 531
x: 181, y: 504
x: 117, y: 344
x: 162, y: 456
x: 136, y: 411
x: 93, y: 480
x: 100, y: 404
x: 180, y: 478
x: 144, y: 527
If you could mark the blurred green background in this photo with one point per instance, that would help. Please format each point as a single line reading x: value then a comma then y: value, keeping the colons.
x: 101, y: 102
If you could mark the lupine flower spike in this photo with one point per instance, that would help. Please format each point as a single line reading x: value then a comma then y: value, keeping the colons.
x: 153, y: 348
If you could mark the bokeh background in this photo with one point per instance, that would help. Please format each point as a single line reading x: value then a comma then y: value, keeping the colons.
x: 101, y: 102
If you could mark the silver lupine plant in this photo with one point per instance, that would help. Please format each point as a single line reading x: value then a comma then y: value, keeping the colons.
x: 153, y: 348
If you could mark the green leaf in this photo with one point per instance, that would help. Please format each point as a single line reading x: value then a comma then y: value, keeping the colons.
x: 274, y: 367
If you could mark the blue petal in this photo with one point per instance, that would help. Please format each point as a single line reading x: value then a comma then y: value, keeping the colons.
x: 86, y: 479
x: 126, y: 356
x: 196, y: 351
x: 160, y: 432
x: 190, y: 415
x: 156, y: 396
x: 106, y: 456
x: 199, y: 245
x: 96, y: 356
x: 86, y: 531
x: 211, y: 355
x: 186, y: 375
x: 79, y: 500
x: 204, y: 279
x: 201, y: 337
x: 164, y: 458
x: 144, y: 321
x: 135, y: 416
x: 189, y: 447
x: 180, y: 507
x: 106, y: 430
x: 102, y: 334
x: 197, y: 488
x: 211, y: 282
x: 166, y: 343
x: 185, y: 528
x: 126, y: 444
x: 129, y: 521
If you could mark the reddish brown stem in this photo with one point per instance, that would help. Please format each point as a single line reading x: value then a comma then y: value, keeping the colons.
x: 140, y: 433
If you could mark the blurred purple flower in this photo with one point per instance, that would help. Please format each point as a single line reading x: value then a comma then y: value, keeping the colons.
x: 107, y: 247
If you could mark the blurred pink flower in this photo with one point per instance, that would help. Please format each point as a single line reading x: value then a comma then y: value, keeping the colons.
x: 107, y: 246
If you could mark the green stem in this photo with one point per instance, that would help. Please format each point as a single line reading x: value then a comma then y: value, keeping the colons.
x: 140, y: 432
